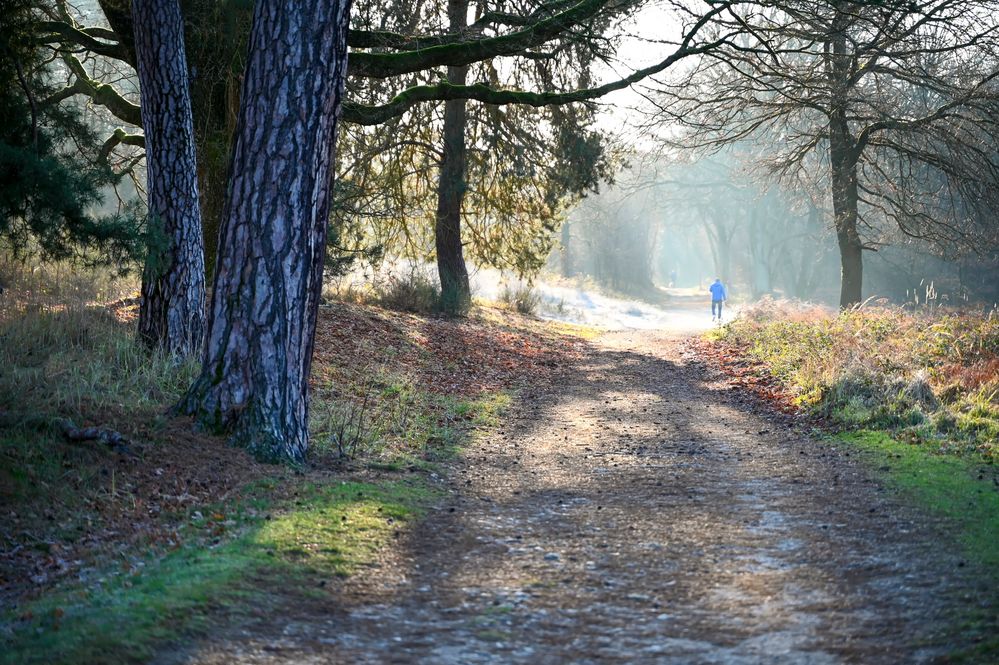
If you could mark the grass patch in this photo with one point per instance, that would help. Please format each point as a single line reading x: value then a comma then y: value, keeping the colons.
x: 966, y: 495
x: 321, y: 531
x: 958, y: 489
x: 931, y: 377
x: 390, y: 422
x: 520, y: 297
x: 81, y: 362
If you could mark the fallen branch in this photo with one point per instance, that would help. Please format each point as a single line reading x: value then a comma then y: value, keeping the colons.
x: 116, y: 441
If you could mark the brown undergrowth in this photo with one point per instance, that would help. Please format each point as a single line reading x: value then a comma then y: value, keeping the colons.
x: 927, y: 377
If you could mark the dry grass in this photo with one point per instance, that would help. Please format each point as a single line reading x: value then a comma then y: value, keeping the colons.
x: 933, y: 375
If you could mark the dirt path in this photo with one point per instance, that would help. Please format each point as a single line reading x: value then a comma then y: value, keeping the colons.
x: 642, y: 515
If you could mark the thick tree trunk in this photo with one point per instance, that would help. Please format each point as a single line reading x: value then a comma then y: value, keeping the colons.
x: 843, y: 159
x: 268, y: 278
x: 456, y: 295
x: 172, y: 314
x: 843, y: 163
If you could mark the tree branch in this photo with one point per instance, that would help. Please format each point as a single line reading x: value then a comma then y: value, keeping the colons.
x: 101, y: 93
x: 121, y: 137
x: 376, y: 114
x: 464, y: 52
x: 60, y: 32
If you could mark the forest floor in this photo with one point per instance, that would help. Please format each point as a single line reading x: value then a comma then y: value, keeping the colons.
x: 641, y: 507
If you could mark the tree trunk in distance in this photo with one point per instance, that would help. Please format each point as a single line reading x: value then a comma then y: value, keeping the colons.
x: 804, y: 285
x: 268, y: 276
x: 843, y: 165
x: 568, y: 270
x: 456, y: 294
x: 172, y: 314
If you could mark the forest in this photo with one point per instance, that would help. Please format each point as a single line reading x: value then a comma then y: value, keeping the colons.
x: 499, y: 331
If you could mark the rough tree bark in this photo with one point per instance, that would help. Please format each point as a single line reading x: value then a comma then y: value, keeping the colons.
x: 456, y: 294
x: 268, y: 278
x: 843, y: 158
x: 172, y: 314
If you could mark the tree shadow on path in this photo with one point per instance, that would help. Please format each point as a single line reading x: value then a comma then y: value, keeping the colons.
x: 641, y: 513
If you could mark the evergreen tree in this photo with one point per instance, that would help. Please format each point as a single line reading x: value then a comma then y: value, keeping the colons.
x: 51, y: 183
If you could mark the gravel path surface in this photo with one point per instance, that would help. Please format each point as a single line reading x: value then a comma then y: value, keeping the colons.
x: 639, y: 513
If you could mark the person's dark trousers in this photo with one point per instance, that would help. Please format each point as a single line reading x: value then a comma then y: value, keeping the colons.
x: 716, y: 306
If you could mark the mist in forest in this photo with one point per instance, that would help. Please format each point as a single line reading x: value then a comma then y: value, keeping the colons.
x: 667, y: 227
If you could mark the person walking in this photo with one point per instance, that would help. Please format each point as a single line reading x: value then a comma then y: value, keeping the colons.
x: 718, y: 296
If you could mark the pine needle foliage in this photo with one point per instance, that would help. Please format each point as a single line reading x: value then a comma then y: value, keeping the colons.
x: 53, y: 183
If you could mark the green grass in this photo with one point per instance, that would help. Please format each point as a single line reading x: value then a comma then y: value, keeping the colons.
x: 961, y: 491
x: 77, y: 362
x: 948, y: 486
x: 395, y: 424
x: 279, y: 552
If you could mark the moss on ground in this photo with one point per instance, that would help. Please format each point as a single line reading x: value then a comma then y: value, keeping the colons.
x: 321, y: 531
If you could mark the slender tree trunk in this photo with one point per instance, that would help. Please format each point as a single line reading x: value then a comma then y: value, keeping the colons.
x: 268, y: 277
x: 843, y: 159
x: 456, y: 294
x: 723, y: 247
x: 568, y: 269
x: 804, y: 284
x: 172, y: 314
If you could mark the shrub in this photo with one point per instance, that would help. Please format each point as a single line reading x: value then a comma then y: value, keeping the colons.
x: 522, y: 298
x: 416, y: 292
x: 882, y: 367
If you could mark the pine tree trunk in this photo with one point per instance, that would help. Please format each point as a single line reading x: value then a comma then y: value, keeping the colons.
x: 456, y: 294
x: 268, y: 277
x: 172, y: 314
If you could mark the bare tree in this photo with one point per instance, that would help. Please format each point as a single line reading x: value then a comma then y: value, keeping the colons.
x: 893, y: 105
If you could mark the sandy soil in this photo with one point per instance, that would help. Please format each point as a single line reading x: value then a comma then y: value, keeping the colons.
x: 644, y: 512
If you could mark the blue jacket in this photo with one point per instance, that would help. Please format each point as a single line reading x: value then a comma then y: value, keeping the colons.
x: 718, y: 291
